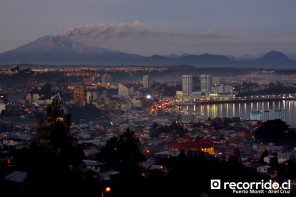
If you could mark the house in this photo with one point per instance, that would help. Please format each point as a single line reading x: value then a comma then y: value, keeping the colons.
x: 90, y: 153
x: 282, y: 157
x: 33, y: 95
x: 109, y: 175
x: 16, y: 177
x: 269, y: 159
x: 263, y: 169
x: 92, y: 165
x: 275, y: 149
x: 14, y: 184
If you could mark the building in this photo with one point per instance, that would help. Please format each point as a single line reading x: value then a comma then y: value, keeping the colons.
x: 217, y: 88
x: 2, y: 106
x: 125, y: 90
x: 186, y: 85
x: 47, y: 90
x: 4, y: 98
x: 137, y: 103
x: 138, y: 94
x: 33, y: 95
x: 114, y: 104
x: 283, y: 157
x: 88, y: 80
x: 91, y: 97
x: 263, y: 169
x: 179, y: 95
x: 146, y: 81
x: 228, y: 89
x: 269, y: 159
x: 195, y: 95
x: 221, y: 88
x: 195, y: 84
x: 193, y: 146
x: 3, y: 102
x: 216, y: 80
x: 264, y: 115
x: 205, y: 83
x: 107, y: 78
x: 79, y: 95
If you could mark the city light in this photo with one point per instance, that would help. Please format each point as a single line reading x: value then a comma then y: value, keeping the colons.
x: 106, y: 190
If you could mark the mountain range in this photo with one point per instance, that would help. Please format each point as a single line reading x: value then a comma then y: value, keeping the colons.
x: 64, y: 51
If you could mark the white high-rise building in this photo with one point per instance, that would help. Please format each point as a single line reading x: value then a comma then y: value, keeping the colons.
x: 205, y: 83
x: 186, y: 85
x: 125, y: 91
x: 146, y: 81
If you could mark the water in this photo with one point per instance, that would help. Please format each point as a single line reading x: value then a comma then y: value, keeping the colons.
x: 243, y: 109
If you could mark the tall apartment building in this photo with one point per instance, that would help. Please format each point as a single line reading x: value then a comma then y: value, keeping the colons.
x: 146, y: 81
x: 79, y: 95
x: 205, y: 83
x: 195, y: 84
x: 186, y: 85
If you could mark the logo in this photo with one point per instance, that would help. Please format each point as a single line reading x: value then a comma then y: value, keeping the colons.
x: 261, y: 187
x: 275, y: 185
x: 215, y: 184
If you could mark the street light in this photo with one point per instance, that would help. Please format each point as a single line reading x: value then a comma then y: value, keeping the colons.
x: 106, y: 191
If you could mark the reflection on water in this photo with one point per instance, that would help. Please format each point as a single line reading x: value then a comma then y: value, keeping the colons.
x: 242, y: 109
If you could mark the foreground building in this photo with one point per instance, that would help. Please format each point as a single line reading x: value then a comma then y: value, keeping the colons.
x: 193, y: 146
x: 264, y: 115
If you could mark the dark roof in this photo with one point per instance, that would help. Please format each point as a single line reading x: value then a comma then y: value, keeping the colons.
x: 35, y: 91
x: 16, y: 176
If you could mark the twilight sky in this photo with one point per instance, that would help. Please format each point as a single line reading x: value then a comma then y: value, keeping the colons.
x: 147, y: 27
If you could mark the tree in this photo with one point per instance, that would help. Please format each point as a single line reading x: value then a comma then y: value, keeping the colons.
x: 122, y: 149
x: 54, y: 157
x: 123, y: 154
x: 271, y: 131
x: 53, y: 131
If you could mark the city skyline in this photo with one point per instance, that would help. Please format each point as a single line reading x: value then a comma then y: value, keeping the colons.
x: 192, y: 27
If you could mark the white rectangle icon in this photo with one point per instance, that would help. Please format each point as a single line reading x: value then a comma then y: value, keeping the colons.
x: 215, y: 184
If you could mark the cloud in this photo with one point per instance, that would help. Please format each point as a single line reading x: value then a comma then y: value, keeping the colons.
x: 135, y: 30
x: 103, y: 31
x: 135, y: 38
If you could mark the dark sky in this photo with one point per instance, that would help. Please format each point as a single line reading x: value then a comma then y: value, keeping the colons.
x: 147, y: 27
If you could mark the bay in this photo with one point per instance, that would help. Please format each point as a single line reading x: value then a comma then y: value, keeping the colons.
x: 242, y: 109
